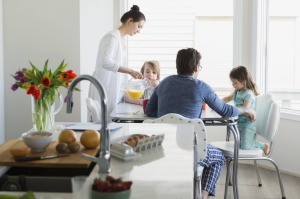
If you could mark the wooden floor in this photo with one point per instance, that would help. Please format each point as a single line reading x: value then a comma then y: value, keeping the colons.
x: 248, y: 185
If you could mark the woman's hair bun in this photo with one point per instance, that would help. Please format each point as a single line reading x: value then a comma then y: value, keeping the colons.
x: 135, y: 8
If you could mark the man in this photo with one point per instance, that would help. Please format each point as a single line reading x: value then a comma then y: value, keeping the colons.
x: 184, y: 94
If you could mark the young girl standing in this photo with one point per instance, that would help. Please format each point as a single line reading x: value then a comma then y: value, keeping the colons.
x: 244, y: 97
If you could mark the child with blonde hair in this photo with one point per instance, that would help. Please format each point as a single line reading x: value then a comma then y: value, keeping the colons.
x: 244, y: 97
x: 150, y: 71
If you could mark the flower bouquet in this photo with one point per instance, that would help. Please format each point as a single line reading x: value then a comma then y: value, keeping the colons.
x: 43, y: 86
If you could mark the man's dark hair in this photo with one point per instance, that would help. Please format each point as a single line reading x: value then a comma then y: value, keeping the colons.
x: 187, y: 60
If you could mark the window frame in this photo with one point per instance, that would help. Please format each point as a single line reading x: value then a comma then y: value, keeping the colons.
x: 260, y: 52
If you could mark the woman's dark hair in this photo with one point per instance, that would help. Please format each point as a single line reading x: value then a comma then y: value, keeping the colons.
x: 134, y: 14
x: 242, y: 74
x: 187, y: 60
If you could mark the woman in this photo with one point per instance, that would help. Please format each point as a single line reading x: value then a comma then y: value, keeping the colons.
x: 112, y: 60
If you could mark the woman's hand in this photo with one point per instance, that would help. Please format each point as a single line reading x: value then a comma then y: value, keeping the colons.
x: 136, y: 74
x: 133, y: 73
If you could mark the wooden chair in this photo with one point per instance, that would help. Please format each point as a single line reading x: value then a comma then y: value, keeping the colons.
x: 267, y: 122
x: 199, y: 145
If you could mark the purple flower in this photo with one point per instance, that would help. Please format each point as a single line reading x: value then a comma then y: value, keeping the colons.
x: 19, y: 75
x: 14, y: 87
x: 23, y: 79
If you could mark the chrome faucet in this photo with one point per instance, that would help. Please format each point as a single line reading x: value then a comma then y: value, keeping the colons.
x: 104, y: 156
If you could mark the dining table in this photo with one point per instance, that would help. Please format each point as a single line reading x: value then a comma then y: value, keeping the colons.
x: 133, y: 113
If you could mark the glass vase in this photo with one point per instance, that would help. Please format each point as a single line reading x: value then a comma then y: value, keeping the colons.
x: 43, y: 112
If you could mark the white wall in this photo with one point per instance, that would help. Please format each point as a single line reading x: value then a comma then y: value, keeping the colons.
x: 2, y: 124
x: 96, y: 19
x: 54, y: 29
x: 36, y: 30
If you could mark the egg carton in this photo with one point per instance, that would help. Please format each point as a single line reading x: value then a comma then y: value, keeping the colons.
x: 149, y: 142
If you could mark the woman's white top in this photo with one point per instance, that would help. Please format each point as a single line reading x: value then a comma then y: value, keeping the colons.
x: 111, y: 55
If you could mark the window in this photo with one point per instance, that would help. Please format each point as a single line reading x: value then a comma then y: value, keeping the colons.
x: 175, y: 24
x: 283, y: 66
x: 263, y: 35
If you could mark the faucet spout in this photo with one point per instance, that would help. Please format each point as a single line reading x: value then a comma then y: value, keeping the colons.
x: 104, y: 156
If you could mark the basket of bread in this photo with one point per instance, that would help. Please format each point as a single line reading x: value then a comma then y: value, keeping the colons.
x: 142, y: 142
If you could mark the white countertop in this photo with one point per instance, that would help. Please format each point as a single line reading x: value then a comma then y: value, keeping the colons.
x: 163, y: 172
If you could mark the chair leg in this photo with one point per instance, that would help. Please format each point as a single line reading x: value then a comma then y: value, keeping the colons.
x: 228, y: 177
x: 279, y: 177
x: 229, y: 174
x: 258, y: 174
x: 199, y: 188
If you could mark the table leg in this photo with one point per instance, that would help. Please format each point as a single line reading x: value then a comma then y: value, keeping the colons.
x: 236, y: 136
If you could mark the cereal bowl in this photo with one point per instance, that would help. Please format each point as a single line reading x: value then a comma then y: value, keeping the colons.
x: 37, y: 141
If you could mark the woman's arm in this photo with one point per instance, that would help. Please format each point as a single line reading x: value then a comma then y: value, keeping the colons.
x: 133, y: 73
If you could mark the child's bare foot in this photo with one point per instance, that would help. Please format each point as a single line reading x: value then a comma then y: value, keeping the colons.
x: 267, y: 149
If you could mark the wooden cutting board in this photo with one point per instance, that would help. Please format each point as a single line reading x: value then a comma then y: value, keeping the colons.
x: 72, y: 161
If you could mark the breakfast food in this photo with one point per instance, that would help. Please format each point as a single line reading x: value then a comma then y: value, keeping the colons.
x: 111, y: 184
x: 65, y: 148
x: 90, y: 139
x: 74, y: 147
x: 19, y: 152
x: 37, y: 135
x: 134, y: 139
x: 135, y: 94
x: 62, y: 147
x: 67, y: 136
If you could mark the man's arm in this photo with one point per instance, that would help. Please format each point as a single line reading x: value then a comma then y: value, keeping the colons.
x: 223, y: 109
x: 152, y: 106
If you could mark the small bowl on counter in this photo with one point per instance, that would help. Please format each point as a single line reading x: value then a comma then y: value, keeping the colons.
x: 37, y: 141
x: 111, y: 195
x: 111, y: 188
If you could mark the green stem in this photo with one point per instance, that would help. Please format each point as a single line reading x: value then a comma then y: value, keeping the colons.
x: 43, y: 116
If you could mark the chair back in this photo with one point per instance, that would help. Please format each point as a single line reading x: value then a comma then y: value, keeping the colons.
x: 93, y: 107
x: 267, y: 117
x: 199, y: 130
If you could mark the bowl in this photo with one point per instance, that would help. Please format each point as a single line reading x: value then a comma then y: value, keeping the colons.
x: 111, y: 195
x: 37, y: 141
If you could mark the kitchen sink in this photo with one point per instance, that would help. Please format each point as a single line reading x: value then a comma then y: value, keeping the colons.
x: 41, y: 179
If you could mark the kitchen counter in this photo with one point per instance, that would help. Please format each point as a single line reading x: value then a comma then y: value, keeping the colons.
x: 161, y: 172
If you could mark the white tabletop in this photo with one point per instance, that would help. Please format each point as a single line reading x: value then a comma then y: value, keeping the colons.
x: 135, y: 113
